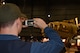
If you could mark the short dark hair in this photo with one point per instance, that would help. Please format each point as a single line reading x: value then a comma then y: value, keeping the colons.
x: 10, y: 23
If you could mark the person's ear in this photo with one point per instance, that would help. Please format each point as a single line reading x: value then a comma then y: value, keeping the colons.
x: 19, y: 25
x: 17, y: 22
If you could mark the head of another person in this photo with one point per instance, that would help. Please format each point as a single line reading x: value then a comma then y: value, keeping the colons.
x: 10, y: 19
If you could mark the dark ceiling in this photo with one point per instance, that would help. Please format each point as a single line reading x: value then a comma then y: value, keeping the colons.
x: 47, y: 3
x: 44, y: 2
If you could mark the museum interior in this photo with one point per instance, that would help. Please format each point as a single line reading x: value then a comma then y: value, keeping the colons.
x: 61, y: 15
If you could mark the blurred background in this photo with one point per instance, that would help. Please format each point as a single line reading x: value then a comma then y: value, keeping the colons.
x: 61, y: 15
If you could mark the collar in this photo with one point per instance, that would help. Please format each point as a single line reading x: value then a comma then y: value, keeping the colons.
x: 8, y: 37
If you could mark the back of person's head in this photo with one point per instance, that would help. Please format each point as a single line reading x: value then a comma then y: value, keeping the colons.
x: 8, y: 14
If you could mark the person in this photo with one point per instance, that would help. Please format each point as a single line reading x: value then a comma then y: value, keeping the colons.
x: 11, y: 26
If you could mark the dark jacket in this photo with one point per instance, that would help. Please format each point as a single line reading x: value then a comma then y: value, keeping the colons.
x: 12, y: 44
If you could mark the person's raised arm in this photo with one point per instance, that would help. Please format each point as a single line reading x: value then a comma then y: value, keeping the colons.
x: 39, y: 23
x: 54, y: 45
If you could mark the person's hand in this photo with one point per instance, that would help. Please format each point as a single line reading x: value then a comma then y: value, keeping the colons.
x: 39, y: 23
